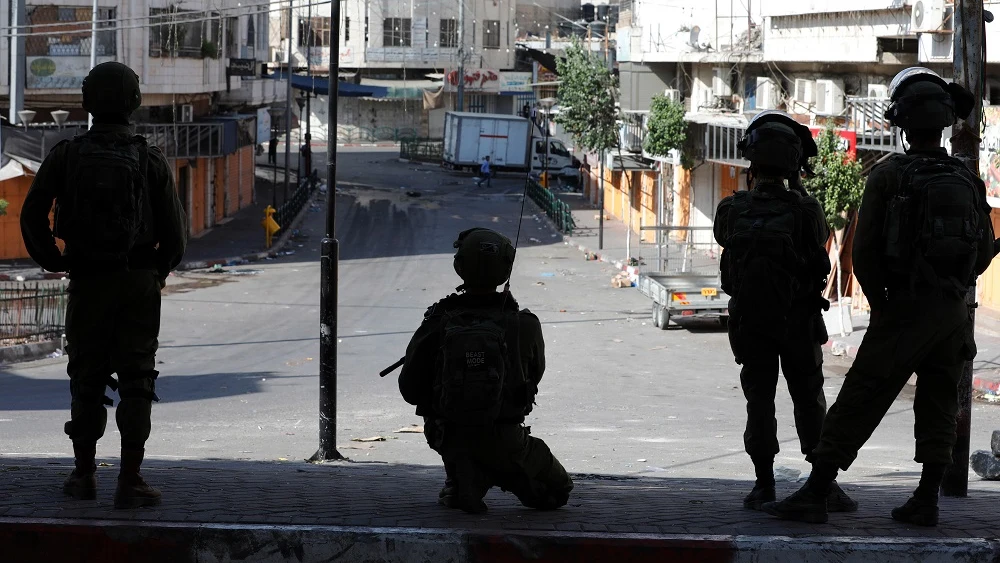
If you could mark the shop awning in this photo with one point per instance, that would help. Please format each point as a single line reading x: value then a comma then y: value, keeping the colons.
x: 319, y: 85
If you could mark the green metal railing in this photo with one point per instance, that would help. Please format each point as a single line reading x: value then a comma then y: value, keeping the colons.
x: 421, y: 150
x: 558, y: 210
x: 32, y: 312
x: 289, y: 209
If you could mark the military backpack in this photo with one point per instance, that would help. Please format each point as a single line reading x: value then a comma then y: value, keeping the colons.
x: 101, y: 208
x: 473, y: 367
x: 932, y: 224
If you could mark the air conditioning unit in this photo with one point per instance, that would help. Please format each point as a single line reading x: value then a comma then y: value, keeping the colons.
x: 767, y: 93
x: 927, y: 15
x: 187, y: 113
x: 878, y: 91
x: 829, y: 96
x: 804, y: 96
x: 720, y: 82
x: 673, y: 95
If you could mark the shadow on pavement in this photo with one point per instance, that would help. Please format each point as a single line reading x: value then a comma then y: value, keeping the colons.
x: 32, y: 394
x: 403, y: 495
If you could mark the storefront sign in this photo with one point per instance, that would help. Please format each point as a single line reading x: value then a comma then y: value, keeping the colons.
x: 848, y: 140
x: 476, y: 80
x: 515, y: 82
x: 58, y: 72
x: 242, y: 67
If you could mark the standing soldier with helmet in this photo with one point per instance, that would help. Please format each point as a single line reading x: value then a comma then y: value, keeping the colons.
x: 774, y: 266
x: 923, y: 236
x: 472, y: 369
x: 117, y: 211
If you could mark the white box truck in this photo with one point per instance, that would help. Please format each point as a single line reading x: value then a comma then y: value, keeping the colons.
x: 513, y: 143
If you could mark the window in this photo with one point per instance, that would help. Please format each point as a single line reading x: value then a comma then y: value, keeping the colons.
x: 347, y: 29
x: 491, y: 34
x: 233, y: 37
x: 449, y: 34
x: 251, y: 38
x: 314, y: 32
x: 397, y: 32
x: 366, y: 29
x: 173, y: 33
x: 73, y: 26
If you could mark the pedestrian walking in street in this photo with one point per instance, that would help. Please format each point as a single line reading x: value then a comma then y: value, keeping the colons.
x: 472, y: 369
x: 774, y: 266
x: 485, y: 174
x: 272, y: 151
x: 923, y: 236
x: 117, y: 210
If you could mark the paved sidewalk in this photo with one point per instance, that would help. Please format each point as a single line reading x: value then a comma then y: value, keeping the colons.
x: 238, y: 239
x: 295, y: 511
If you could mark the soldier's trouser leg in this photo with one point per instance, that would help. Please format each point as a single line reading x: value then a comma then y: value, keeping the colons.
x: 88, y: 344
x: 529, y: 469
x: 894, y: 347
x: 759, y: 380
x: 134, y: 356
x: 802, y: 366
x: 935, y: 406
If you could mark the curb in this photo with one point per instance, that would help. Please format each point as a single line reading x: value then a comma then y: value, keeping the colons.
x: 256, y: 256
x: 632, y: 271
x: 38, y: 276
x: 28, y: 352
x: 28, y: 540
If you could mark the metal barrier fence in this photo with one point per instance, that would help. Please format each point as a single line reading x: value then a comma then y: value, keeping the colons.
x: 353, y: 134
x: 32, y: 312
x: 422, y: 150
x: 680, y: 250
x: 558, y: 210
x: 290, y: 208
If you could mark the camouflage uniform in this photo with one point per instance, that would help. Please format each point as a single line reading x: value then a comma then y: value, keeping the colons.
x: 505, y: 455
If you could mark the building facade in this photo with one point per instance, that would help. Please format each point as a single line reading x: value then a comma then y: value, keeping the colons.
x: 205, y: 98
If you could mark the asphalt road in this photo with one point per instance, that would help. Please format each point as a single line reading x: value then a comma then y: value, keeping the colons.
x: 239, y: 350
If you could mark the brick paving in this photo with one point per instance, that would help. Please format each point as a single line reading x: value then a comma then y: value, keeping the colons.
x: 404, y: 496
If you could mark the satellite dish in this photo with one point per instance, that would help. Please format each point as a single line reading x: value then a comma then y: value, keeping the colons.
x: 695, y: 31
x: 918, y: 14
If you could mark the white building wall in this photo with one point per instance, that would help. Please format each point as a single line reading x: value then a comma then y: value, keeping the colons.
x: 424, y: 51
x: 825, y: 37
x: 664, y: 32
x: 4, y: 58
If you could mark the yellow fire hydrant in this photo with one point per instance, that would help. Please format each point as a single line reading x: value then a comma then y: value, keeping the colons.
x: 270, y: 225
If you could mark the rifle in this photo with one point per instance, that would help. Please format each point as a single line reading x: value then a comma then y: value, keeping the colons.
x: 392, y: 368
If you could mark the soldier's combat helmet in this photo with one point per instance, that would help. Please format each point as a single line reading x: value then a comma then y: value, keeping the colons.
x: 923, y: 100
x: 776, y: 141
x: 111, y: 88
x: 484, y: 258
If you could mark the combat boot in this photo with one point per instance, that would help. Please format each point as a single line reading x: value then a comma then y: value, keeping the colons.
x: 804, y: 505
x: 133, y: 491
x: 922, y: 512
x: 471, y: 486
x: 758, y: 496
x: 82, y: 482
x: 838, y: 501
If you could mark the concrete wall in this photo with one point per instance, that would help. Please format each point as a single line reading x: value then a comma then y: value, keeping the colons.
x: 640, y: 82
x: 839, y: 37
x: 363, y: 120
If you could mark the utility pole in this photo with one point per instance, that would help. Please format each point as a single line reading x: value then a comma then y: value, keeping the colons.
x: 17, y: 60
x: 328, y: 266
x: 969, y: 46
x: 288, y: 103
x: 460, y: 102
x: 93, y: 51
x: 312, y: 85
x: 600, y: 205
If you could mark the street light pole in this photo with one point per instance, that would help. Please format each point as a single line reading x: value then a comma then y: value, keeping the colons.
x: 288, y: 103
x: 328, y: 273
x: 93, y: 51
x: 970, y: 36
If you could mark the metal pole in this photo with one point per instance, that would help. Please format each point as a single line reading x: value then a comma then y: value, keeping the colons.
x: 545, y: 165
x: 460, y: 102
x: 968, y: 67
x: 600, y: 207
x: 288, y: 104
x: 309, y: 72
x: 328, y: 273
x: 93, y: 51
x: 17, y: 60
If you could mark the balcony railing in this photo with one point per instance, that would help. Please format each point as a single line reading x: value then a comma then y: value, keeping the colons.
x: 632, y: 130
x: 185, y: 140
x: 866, y: 118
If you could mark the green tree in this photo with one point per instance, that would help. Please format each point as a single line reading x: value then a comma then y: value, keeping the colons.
x: 666, y: 129
x: 3, y: 207
x: 838, y: 184
x: 587, y: 93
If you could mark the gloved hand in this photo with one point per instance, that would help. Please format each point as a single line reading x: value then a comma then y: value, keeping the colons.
x: 163, y: 282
